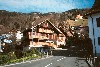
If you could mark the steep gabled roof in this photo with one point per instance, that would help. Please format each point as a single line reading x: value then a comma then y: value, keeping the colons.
x: 95, y: 8
x: 96, y: 4
x: 54, y: 26
x: 39, y: 23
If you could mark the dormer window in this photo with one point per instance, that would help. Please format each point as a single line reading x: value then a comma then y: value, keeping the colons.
x: 98, y: 22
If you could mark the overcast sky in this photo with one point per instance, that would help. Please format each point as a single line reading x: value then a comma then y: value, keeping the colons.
x: 43, y: 6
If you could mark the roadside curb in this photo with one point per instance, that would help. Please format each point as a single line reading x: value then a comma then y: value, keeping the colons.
x: 82, y: 62
x: 26, y: 61
x: 89, y: 64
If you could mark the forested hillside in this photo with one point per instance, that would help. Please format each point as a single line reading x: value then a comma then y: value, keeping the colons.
x: 19, y: 21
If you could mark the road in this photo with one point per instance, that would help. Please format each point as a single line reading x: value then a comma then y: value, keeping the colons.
x: 55, y: 61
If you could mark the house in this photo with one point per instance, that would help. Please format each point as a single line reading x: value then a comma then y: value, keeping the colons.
x: 80, y: 26
x: 94, y: 27
x: 19, y: 35
x: 79, y: 16
x: 42, y: 34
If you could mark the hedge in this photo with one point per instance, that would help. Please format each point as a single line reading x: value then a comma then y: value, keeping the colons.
x: 11, y: 57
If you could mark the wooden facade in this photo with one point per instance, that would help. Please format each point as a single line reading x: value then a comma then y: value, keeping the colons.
x: 44, y: 33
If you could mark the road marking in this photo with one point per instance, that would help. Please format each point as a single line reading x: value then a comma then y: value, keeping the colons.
x: 19, y: 63
x: 7, y: 65
x: 48, y: 65
x: 57, y: 60
x: 10, y: 65
x: 61, y: 59
x: 28, y: 61
x: 51, y: 63
x: 64, y: 57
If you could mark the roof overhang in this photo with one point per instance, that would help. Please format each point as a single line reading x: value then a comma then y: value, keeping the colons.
x: 92, y: 12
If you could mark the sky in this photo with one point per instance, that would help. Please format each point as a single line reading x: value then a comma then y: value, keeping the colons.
x: 43, y: 6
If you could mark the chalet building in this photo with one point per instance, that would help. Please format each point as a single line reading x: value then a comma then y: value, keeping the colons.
x: 43, y: 34
x: 94, y: 27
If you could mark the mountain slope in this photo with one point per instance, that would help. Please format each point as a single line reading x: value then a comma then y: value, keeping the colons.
x: 20, y: 21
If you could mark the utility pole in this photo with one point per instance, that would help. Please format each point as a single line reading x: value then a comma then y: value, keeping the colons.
x: 0, y: 46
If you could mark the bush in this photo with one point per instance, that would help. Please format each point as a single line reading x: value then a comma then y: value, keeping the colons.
x: 4, y: 59
x: 32, y: 52
x: 11, y: 57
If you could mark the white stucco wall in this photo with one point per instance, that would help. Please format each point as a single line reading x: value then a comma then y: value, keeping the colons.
x: 19, y: 35
x: 96, y: 32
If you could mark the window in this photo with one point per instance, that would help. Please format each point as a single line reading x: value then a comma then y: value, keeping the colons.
x: 99, y: 40
x: 98, y: 22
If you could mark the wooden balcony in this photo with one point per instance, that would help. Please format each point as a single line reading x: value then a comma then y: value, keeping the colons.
x: 42, y: 30
x: 39, y: 43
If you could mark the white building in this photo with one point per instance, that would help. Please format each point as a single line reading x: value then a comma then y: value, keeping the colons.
x: 19, y: 35
x: 94, y: 27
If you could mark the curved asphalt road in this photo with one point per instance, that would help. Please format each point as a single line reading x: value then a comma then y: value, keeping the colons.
x: 55, y: 61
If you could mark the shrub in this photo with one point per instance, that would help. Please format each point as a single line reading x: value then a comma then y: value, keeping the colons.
x: 4, y: 59
x: 32, y: 52
x: 12, y: 55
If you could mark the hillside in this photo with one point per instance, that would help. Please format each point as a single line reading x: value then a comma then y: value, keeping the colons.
x: 19, y: 21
